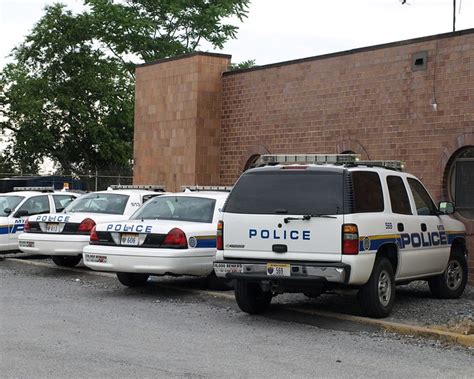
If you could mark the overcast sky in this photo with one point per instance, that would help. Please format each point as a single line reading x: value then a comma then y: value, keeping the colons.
x: 279, y: 30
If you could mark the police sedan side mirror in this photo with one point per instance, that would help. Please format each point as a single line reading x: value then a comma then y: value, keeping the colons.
x: 446, y: 208
x: 21, y: 213
x: 7, y: 211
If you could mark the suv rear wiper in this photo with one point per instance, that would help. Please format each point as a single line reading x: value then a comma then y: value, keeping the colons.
x: 306, y: 217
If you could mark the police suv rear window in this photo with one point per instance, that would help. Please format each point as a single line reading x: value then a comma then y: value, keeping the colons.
x: 368, y: 195
x: 288, y: 192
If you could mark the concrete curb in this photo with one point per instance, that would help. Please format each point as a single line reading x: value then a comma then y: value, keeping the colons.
x: 400, y: 328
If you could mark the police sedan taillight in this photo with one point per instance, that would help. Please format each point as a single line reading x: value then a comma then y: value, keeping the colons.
x: 220, y: 236
x: 94, y: 238
x: 350, y: 239
x: 86, y: 225
x: 175, y: 239
x: 27, y: 227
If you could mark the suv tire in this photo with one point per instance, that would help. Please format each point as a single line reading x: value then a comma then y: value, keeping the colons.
x: 451, y: 283
x: 250, y: 297
x: 377, y: 296
x: 66, y: 260
x: 132, y: 279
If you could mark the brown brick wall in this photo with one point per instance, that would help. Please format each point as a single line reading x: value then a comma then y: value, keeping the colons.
x: 368, y: 101
x: 177, y: 121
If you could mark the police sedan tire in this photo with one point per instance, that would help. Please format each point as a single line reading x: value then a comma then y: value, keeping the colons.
x: 66, y: 260
x: 250, y: 297
x: 377, y: 296
x: 451, y: 283
x: 132, y: 279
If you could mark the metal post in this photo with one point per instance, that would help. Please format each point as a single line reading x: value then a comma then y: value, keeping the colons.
x: 454, y: 15
x: 96, y: 178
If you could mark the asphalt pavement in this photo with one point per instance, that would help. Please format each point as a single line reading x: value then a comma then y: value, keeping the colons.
x: 60, y: 323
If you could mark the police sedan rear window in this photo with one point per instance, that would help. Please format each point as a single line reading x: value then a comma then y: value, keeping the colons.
x: 177, y: 208
x: 108, y: 203
x: 288, y: 192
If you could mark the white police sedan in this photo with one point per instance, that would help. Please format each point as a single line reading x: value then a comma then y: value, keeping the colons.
x: 64, y: 235
x: 174, y: 234
x: 16, y: 206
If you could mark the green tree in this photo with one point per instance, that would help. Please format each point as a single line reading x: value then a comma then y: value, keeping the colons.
x: 69, y: 94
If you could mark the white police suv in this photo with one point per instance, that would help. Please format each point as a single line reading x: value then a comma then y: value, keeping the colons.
x: 174, y: 234
x: 16, y: 206
x: 64, y: 235
x: 311, y: 223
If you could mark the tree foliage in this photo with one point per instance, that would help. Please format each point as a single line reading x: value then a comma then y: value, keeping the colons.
x: 69, y: 93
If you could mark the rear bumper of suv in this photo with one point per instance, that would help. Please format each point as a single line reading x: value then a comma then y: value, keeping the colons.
x: 303, y: 272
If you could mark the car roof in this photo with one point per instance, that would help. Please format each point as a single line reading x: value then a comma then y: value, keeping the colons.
x: 129, y: 192
x: 26, y: 193
x: 208, y: 194
x: 324, y: 167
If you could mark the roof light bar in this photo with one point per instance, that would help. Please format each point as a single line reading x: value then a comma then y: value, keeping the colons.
x: 396, y: 165
x: 41, y: 189
x: 308, y: 158
x: 207, y: 188
x: 151, y: 187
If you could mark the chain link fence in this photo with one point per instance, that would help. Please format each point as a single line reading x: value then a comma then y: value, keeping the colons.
x: 97, y: 182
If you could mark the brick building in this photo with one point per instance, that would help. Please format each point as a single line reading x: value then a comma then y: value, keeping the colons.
x: 197, y: 123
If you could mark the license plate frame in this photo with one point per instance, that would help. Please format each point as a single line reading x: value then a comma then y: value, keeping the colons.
x: 278, y: 269
x: 129, y: 239
x: 53, y: 228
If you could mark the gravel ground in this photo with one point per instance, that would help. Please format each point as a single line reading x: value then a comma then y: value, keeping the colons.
x: 413, y: 305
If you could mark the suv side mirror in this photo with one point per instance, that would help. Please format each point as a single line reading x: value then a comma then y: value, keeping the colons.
x: 21, y: 213
x: 446, y: 208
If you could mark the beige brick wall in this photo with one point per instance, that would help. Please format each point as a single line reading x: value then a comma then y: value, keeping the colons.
x: 369, y: 101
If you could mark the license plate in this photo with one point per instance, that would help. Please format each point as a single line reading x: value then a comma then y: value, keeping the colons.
x: 26, y: 243
x: 278, y: 269
x: 224, y: 268
x: 53, y: 228
x: 96, y: 258
x: 129, y: 239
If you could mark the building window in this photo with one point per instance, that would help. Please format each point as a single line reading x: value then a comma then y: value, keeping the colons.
x: 461, y: 182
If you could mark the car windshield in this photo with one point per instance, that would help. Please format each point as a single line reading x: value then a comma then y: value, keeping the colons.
x: 179, y: 208
x: 97, y: 202
x: 9, y: 202
x: 297, y: 192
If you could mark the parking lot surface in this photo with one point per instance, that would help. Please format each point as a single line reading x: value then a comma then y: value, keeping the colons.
x: 58, y: 323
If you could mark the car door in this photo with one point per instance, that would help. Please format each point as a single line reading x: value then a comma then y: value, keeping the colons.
x: 431, y: 249
x: 31, y: 206
x: 403, y: 221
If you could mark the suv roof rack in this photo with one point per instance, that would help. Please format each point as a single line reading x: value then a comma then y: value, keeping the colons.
x: 206, y: 188
x: 150, y: 187
x: 39, y: 189
x: 337, y: 159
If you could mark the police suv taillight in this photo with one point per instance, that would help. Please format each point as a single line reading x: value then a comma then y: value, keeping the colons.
x: 175, y: 239
x: 94, y: 238
x: 350, y: 239
x: 220, y: 236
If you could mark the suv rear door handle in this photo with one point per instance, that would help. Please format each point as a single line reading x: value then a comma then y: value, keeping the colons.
x: 400, y: 227
x: 279, y: 248
x: 423, y: 227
